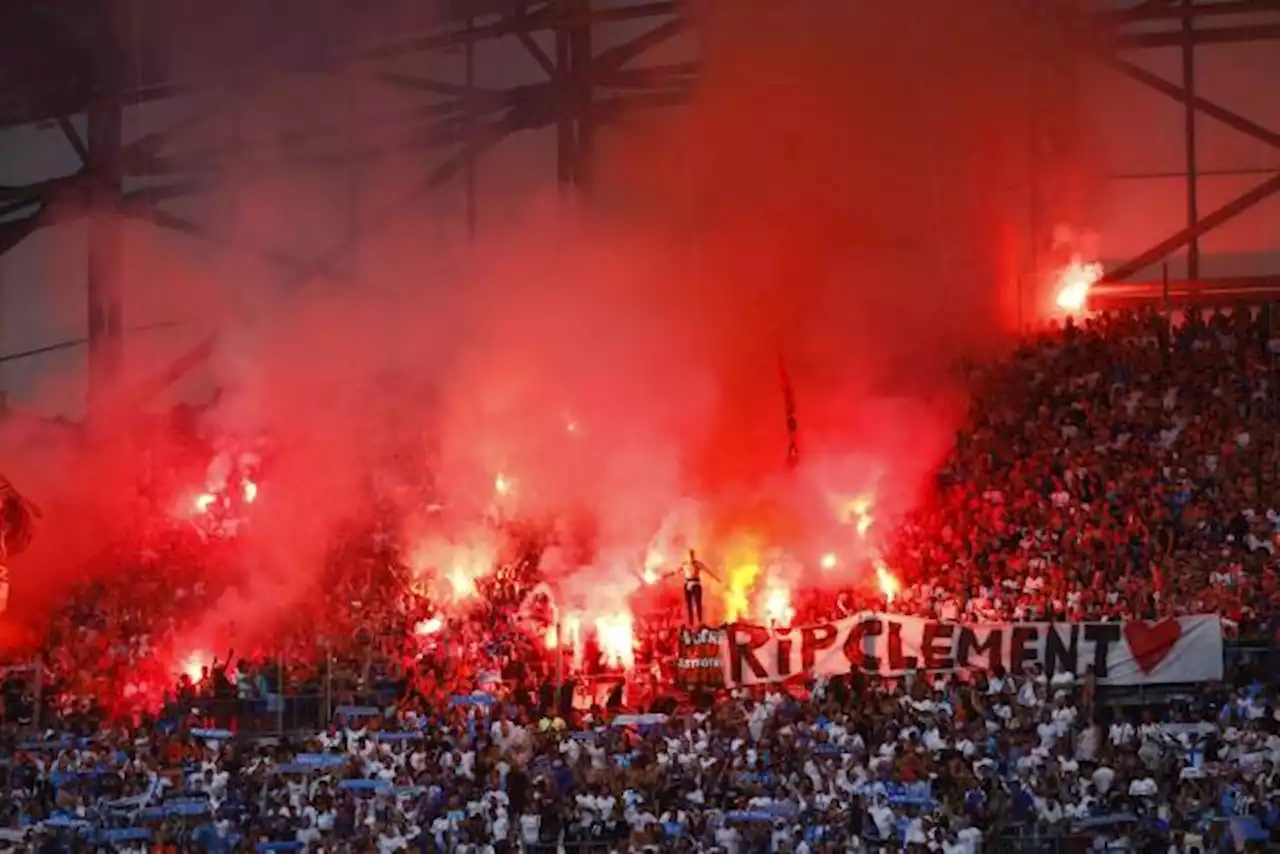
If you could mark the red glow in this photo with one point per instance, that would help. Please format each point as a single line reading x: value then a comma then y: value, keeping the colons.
x: 193, y: 666
x: 618, y: 365
x: 1074, y: 281
x: 428, y: 627
x: 887, y: 582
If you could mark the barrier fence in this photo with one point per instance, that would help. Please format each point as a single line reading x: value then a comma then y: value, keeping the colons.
x: 272, y: 713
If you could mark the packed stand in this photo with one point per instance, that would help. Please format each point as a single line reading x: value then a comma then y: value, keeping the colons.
x: 842, y: 764
x: 1119, y: 467
x: 1102, y: 475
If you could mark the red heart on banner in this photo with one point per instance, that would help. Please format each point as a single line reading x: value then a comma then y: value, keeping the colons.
x: 1151, y: 643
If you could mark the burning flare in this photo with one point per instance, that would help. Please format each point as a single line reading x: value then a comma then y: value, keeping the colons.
x: 193, y: 666
x: 653, y: 562
x: 615, y: 633
x: 428, y: 627
x: 1073, y: 283
x: 775, y: 605
x: 741, y: 569
x: 451, y: 570
x: 461, y: 582
x: 887, y: 582
x: 860, y: 513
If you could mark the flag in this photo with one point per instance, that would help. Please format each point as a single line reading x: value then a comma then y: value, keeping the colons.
x: 789, y: 403
x: 18, y: 518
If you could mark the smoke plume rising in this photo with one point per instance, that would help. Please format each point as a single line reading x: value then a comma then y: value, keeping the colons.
x: 844, y: 193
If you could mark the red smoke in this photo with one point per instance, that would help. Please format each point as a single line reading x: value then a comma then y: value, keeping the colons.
x: 840, y: 193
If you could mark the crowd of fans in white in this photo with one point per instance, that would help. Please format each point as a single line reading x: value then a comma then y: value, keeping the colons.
x: 1115, y: 469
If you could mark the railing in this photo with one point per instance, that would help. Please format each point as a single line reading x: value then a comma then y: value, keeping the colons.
x: 277, y: 714
x: 288, y: 714
x: 1251, y: 651
x: 314, y: 710
x: 1256, y: 653
x: 1035, y: 839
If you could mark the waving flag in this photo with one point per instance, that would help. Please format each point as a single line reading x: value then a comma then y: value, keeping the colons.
x: 789, y: 402
x: 18, y: 518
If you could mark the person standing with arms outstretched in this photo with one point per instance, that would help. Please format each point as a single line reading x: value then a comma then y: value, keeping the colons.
x: 693, y: 570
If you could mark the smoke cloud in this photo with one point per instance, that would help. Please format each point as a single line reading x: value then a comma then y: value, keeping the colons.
x: 845, y: 195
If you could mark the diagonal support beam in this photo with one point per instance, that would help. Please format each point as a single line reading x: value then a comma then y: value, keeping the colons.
x: 73, y: 138
x: 616, y: 57
x: 68, y: 201
x: 548, y: 17
x: 516, y: 120
x: 15, y: 231
x: 163, y: 219
x: 43, y: 190
x: 73, y: 343
x: 539, y: 55
x: 1201, y: 104
x: 176, y: 370
x: 1208, y: 223
x: 61, y: 200
x: 137, y: 155
x: 669, y: 74
x: 434, y: 87
x: 8, y: 209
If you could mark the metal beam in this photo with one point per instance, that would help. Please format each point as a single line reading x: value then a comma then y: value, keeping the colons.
x: 611, y: 110
x: 1224, y: 292
x: 436, y: 87
x: 174, y: 371
x: 171, y: 222
x: 69, y: 201
x: 73, y: 139
x: 517, y: 119
x: 469, y: 132
x: 1189, y: 137
x: 285, y: 145
x: 42, y: 189
x: 138, y: 155
x: 8, y: 209
x: 1171, y: 10
x: 618, y: 56
x: 1204, y: 105
x: 14, y: 232
x: 105, y: 285
x: 539, y: 55
x: 550, y: 17
x: 581, y: 89
x: 566, y: 131
x: 80, y: 342
x: 1231, y: 209
x: 514, y: 121
x: 1218, y: 35
x: 653, y: 75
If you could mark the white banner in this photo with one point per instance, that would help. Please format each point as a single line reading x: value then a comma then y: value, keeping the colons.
x: 1137, y: 652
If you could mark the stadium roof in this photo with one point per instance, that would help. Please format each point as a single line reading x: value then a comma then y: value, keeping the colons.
x: 55, y: 54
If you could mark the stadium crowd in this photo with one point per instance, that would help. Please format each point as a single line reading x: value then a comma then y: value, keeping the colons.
x: 1112, y: 469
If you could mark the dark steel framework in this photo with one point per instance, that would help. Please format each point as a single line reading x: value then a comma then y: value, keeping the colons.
x: 454, y: 125
x: 65, y: 58
x: 1186, y: 25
